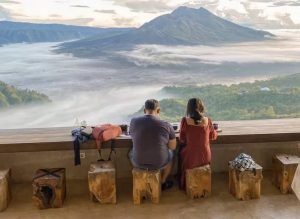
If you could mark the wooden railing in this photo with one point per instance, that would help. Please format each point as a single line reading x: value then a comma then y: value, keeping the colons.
x: 56, y: 139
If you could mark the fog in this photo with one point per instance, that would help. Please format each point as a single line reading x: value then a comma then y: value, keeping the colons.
x: 108, y: 89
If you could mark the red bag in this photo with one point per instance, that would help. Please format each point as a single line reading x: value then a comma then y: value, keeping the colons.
x: 105, y: 132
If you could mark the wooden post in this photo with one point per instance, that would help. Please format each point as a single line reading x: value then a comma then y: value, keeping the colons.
x: 102, y: 182
x: 146, y: 184
x: 284, y: 168
x: 245, y: 185
x: 49, y: 188
x: 198, y: 182
x: 5, y: 191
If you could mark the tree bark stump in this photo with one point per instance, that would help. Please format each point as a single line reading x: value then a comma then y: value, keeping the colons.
x: 146, y: 184
x: 102, y: 182
x: 198, y: 182
x: 49, y: 188
x: 245, y: 185
x: 5, y: 191
x: 284, y: 168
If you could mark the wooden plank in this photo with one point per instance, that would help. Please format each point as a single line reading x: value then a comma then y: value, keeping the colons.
x: 49, y: 188
x: 102, y: 182
x: 245, y: 185
x: 284, y: 168
x: 5, y: 191
x: 55, y: 139
x: 198, y: 182
x: 146, y: 184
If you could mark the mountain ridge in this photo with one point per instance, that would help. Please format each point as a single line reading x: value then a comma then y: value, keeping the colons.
x: 184, y: 26
x: 20, y: 32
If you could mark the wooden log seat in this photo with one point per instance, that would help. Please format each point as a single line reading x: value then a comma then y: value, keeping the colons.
x: 102, y: 182
x: 198, y: 182
x: 245, y: 185
x: 146, y: 184
x: 5, y: 191
x: 49, y: 188
x: 284, y: 168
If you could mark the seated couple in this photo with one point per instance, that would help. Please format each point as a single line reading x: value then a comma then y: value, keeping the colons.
x: 154, y: 141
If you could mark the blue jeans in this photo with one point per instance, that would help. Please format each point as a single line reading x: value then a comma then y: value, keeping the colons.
x: 170, y: 158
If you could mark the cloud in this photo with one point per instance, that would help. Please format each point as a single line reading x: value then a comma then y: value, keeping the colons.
x: 55, y: 16
x: 147, y: 6
x: 251, y: 52
x: 124, y: 22
x: 9, y: 2
x: 58, y: 20
x: 286, y: 3
x: 79, y: 6
x: 4, y: 13
x: 105, y: 11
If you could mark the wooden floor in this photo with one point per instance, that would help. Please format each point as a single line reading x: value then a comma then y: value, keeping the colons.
x: 174, y: 204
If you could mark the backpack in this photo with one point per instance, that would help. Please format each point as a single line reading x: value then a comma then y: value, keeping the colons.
x: 105, y: 132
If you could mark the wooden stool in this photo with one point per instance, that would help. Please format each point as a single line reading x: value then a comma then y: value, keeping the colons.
x: 198, y: 182
x: 102, y: 182
x: 245, y: 185
x: 5, y: 191
x: 146, y: 184
x: 284, y: 168
x: 49, y: 188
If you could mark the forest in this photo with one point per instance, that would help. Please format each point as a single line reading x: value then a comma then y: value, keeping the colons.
x: 11, y: 96
x: 269, y: 99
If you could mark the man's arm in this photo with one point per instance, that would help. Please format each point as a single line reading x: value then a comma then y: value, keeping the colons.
x: 172, y: 138
x: 172, y: 144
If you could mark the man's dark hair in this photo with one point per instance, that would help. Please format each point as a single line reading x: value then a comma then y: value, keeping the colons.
x: 151, y: 104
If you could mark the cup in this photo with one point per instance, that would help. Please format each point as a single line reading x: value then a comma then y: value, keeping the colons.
x: 216, y: 126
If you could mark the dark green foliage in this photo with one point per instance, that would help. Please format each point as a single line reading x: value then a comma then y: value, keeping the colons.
x: 11, y: 96
x: 281, y: 99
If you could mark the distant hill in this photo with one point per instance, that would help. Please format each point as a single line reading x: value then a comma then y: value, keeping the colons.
x: 19, y: 32
x: 11, y: 96
x: 269, y: 99
x: 184, y: 26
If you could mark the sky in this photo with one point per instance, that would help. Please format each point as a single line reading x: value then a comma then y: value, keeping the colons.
x: 261, y: 14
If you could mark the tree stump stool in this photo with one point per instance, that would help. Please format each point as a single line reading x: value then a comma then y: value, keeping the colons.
x: 284, y: 168
x: 5, y: 191
x: 102, y: 182
x: 146, y: 184
x: 49, y: 188
x: 245, y: 185
x: 198, y: 182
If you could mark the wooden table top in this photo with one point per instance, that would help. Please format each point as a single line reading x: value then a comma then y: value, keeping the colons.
x: 247, y: 131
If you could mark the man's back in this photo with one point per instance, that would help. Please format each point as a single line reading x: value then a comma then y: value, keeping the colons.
x: 150, y: 137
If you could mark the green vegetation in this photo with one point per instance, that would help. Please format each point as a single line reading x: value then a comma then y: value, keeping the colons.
x: 11, y: 96
x: 274, y: 98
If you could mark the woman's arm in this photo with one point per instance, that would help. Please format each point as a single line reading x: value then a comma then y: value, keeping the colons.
x: 182, y: 134
x: 213, y: 134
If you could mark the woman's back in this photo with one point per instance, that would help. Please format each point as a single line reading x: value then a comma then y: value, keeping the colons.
x: 195, y: 138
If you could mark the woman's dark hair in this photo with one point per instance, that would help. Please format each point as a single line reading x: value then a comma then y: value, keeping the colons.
x: 194, y: 109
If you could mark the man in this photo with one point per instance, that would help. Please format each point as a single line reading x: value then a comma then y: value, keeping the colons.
x: 153, y: 142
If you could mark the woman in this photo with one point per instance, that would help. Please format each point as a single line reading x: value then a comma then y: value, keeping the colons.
x: 195, y: 133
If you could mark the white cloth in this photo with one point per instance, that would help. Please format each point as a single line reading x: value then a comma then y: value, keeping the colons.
x: 296, y: 182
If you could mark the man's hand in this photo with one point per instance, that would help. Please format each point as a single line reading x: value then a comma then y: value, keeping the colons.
x: 172, y: 144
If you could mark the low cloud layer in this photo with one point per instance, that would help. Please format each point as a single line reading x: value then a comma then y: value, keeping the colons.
x: 270, y: 51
